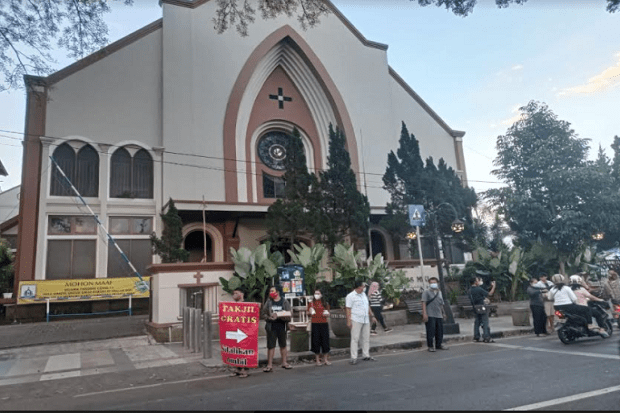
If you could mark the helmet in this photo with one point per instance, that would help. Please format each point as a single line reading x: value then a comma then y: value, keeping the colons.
x: 576, y: 279
x: 557, y: 278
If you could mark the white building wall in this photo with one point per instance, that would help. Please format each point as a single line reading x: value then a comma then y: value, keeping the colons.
x: 197, y: 91
x: 115, y: 99
x: 9, y: 203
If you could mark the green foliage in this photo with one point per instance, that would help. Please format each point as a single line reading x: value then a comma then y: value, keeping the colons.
x: 287, y: 218
x: 310, y: 258
x: 554, y: 194
x: 168, y: 247
x: 410, y: 181
x: 308, y: 12
x: 337, y: 209
x: 254, y: 271
x: 31, y: 29
x: 7, y: 271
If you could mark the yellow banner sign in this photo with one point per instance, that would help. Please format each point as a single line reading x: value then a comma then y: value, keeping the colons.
x: 82, y: 290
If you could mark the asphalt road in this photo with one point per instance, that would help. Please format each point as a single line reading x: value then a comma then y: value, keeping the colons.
x: 520, y: 372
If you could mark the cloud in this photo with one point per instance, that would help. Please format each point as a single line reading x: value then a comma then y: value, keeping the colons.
x: 606, y: 80
x: 517, y: 67
x: 517, y: 117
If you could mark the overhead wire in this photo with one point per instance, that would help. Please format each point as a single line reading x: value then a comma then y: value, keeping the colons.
x: 237, y: 170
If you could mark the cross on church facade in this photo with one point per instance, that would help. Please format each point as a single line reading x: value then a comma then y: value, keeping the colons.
x: 280, y: 98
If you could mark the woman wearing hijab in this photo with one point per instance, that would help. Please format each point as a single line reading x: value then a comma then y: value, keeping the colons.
x: 375, y: 299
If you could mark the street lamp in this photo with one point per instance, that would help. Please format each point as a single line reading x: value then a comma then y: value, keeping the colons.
x: 597, y: 236
x: 450, y: 327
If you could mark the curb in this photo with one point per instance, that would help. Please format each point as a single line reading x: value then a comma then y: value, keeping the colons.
x: 406, y: 345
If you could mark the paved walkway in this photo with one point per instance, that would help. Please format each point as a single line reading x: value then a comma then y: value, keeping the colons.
x: 56, y: 361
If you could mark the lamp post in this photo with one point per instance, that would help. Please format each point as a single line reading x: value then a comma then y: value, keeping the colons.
x: 450, y: 327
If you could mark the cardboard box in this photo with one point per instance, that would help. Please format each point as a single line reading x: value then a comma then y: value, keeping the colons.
x: 283, y: 314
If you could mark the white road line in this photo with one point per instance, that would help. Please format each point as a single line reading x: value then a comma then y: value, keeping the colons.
x: 562, y: 400
x: 148, y: 386
x: 563, y: 352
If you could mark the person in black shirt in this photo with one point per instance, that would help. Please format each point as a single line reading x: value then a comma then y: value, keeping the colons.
x: 275, y: 327
x: 477, y: 295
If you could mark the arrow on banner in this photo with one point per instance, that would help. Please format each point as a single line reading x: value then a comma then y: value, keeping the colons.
x: 236, y: 335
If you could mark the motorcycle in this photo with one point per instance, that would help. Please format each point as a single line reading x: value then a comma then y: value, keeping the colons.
x: 574, y: 326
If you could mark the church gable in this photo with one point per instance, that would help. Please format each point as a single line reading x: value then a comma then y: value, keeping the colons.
x: 278, y: 107
x: 282, y: 61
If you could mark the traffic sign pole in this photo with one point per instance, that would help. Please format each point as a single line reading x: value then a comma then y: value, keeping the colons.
x: 417, y: 231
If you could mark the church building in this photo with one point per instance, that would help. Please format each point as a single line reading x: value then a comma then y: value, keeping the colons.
x: 177, y: 111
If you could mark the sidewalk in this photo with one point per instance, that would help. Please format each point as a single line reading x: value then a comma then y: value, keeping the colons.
x: 62, y: 360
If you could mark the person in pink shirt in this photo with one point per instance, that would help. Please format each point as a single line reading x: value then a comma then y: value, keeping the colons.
x: 583, y: 295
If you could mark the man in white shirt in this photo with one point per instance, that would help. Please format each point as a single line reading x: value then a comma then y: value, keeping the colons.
x: 549, y: 310
x: 359, y: 317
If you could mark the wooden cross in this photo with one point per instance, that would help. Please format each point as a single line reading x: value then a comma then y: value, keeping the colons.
x: 281, y: 98
x: 198, y: 276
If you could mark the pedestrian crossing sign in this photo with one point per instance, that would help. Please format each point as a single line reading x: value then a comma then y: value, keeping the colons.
x: 417, y: 215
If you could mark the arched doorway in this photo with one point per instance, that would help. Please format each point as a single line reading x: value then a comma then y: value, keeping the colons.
x: 378, y: 244
x: 194, y: 243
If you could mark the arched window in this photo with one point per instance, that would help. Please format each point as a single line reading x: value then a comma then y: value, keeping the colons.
x: 142, y: 174
x: 82, y: 169
x: 273, y: 186
x: 131, y: 177
x: 87, y: 176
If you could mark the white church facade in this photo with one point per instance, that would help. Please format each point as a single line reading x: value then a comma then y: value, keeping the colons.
x: 177, y: 111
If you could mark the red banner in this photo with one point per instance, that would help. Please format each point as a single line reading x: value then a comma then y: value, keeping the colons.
x: 239, y: 333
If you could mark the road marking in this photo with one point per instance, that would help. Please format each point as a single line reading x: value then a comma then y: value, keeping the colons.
x: 148, y: 386
x: 563, y: 352
x: 568, y: 399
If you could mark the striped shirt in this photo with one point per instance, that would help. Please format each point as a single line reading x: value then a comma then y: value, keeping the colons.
x: 375, y: 299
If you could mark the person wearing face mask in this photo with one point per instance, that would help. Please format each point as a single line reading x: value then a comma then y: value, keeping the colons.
x: 477, y: 295
x: 318, y: 310
x: 358, y: 320
x: 275, y: 327
x: 432, y: 314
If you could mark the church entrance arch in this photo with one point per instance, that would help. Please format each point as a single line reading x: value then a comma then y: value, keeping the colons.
x: 194, y: 242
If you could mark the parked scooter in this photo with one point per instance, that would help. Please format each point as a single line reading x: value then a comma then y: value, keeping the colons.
x: 574, y: 326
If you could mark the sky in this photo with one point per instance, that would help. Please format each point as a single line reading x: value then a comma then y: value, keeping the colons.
x: 475, y: 71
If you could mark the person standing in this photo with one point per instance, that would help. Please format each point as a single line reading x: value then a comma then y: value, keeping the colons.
x: 376, y: 305
x: 537, y: 305
x: 275, y: 327
x: 477, y: 294
x: 238, y: 297
x: 549, y: 310
x: 319, y: 311
x: 358, y: 320
x: 432, y: 314
x: 611, y: 287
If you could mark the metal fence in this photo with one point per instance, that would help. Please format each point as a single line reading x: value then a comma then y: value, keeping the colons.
x: 197, y: 331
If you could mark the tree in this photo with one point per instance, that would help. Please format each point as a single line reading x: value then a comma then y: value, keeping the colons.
x: 287, y: 218
x: 615, y: 162
x: 553, y: 194
x: 7, y: 270
x: 240, y: 13
x: 336, y: 208
x: 403, y: 180
x: 168, y: 247
x: 30, y: 29
x: 410, y: 181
